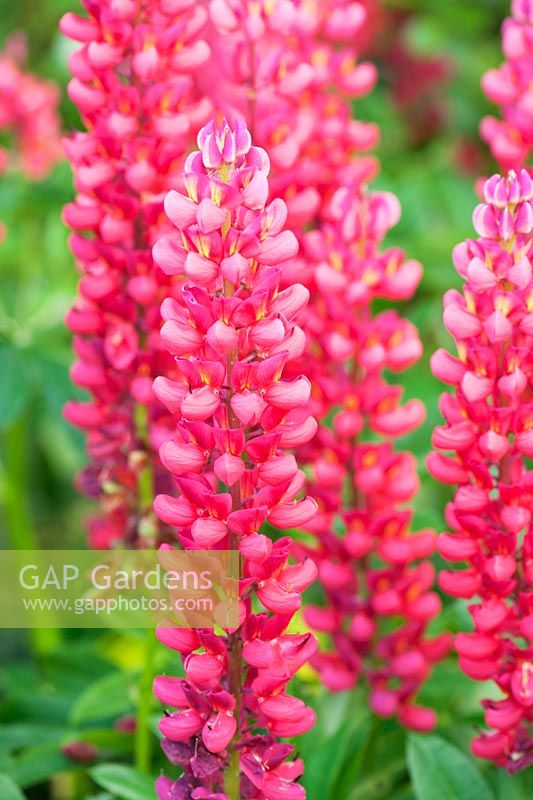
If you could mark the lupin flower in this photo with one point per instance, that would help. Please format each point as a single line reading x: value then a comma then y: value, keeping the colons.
x: 28, y: 116
x: 509, y: 87
x: 488, y: 431
x: 232, y: 333
x: 29, y: 113
x: 133, y: 83
x: 287, y: 67
x: 373, y: 570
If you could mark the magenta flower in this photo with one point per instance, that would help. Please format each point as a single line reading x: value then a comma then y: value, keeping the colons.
x: 488, y: 431
x: 509, y: 87
x: 133, y: 83
x: 376, y: 571
x: 232, y: 332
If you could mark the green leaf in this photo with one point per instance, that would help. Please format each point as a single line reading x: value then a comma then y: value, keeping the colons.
x: 8, y: 789
x: 37, y: 764
x: 439, y: 771
x: 514, y: 787
x: 23, y: 734
x: 106, y: 697
x: 124, y: 782
x: 15, y: 385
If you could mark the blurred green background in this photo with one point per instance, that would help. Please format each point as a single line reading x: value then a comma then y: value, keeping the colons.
x: 56, y: 689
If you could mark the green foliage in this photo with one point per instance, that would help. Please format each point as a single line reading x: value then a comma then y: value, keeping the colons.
x: 9, y: 789
x: 439, y: 771
x: 124, y: 782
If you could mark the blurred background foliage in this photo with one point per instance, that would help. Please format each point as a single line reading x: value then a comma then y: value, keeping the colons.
x: 84, y: 687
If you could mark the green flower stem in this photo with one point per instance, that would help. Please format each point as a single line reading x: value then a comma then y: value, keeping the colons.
x: 21, y: 531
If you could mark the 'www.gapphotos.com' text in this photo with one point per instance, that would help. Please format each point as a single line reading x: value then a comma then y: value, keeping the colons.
x: 109, y: 605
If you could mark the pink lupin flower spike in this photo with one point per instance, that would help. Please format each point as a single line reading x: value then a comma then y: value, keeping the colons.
x: 292, y: 71
x: 488, y: 431
x: 232, y: 333
x: 510, y: 88
x: 133, y: 81
x: 371, y: 567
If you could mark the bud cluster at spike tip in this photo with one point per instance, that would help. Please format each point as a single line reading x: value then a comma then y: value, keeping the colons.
x: 290, y: 69
x: 133, y: 83
x: 489, y: 432
x: 510, y: 87
x: 373, y: 570
x: 232, y: 331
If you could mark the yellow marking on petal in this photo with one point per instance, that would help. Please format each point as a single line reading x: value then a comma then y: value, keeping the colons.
x: 370, y: 277
x: 396, y: 338
x: 335, y: 259
x: 503, y: 304
x: 369, y: 459
x: 351, y: 402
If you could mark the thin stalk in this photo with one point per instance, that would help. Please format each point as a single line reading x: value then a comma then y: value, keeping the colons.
x: 21, y: 531
x: 143, y: 746
x: 236, y: 664
x: 143, y: 736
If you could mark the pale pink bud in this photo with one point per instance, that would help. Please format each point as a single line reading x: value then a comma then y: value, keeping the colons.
x: 278, y: 469
x: 515, y: 518
x: 460, y: 322
x: 78, y: 28
x: 480, y: 276
x: 277, y: 599
x: 170, y: 393
x: 292, y: 515
x: 182, y: 458
x: 498, y: 328
x: 170, y: 256
x: 257, y: 547
x: 500, y: 567
x: 180, y: 727
x: 299, y: 434
x: 209, y: 216
x: 286, y: 396
x: 218, y: 731
x: 258, y: 653
x: 201, y: 403
x: 222, y: 338
x: 514, y: 384
x: 184, y: 640
x: 169, y: 691
x: 248, y: 406
x: 493, y: 445
x: 229, y: 468
x: 463, y: 584
x: 275, y: 249
x: 174, y: 510
x: 181, y: 339
x: 291, y: 301
x: 524, y: 442
x: 267, y: 333
x: 180, y: 209
x: 204, y: 670
x: 201, y: 270
x: 235, y: 268
x: 476, y: 387
x: 208, y: 531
